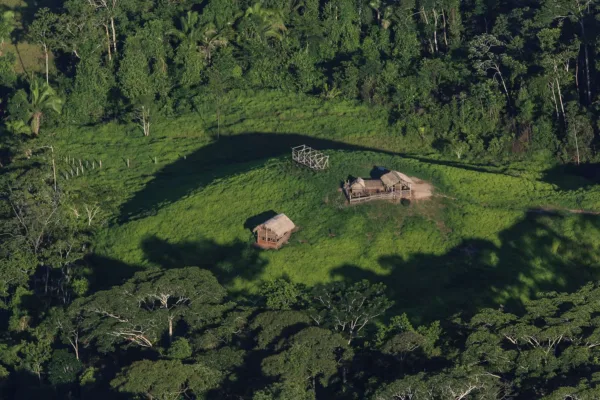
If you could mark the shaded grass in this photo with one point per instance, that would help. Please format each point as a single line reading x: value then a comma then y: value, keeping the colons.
x: 30, y: 58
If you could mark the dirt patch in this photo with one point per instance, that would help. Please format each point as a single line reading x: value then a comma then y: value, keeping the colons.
x: 421, y: 190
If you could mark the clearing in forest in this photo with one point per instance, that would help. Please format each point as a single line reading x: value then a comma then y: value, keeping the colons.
x: 189, y: 200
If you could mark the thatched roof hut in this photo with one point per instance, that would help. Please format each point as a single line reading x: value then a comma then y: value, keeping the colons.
x: 361, y: 184
x: 393, y: 178
x: 275, y: 232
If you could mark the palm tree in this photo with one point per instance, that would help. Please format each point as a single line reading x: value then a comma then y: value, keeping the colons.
x: 204, y: 38
x: 41, y: 99
x: 269, y: 22
x: 189, y: 34
x: 210, y: 40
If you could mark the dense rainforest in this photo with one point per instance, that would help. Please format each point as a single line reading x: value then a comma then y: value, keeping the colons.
x: 474, y: 81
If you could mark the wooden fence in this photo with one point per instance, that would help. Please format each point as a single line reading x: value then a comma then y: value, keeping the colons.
x: 310, y: 157
x: 403, y: 194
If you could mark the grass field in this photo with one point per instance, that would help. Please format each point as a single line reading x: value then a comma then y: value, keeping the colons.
x: 29, y: 56
x: 491, y: 235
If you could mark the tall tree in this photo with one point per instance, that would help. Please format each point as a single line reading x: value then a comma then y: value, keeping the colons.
x: 486, y: 56
x: 42, y: 31
x: 166, y: 379
x: 149, y: 305
x: 579, y: 13
x: 349, y: 309
x: 310, y: 356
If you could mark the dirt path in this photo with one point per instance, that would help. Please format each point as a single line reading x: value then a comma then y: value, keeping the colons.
x: 421, y: 189
x: 550, y: 210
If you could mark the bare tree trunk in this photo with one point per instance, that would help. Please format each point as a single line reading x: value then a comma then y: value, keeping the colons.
x: 503, y: 83
x: 37, y: 117
x: 551, y: 84
x: 576, y: 145
x: 435, y: 27
x: 46, y: 280
x: 424, y: 16
x: 577, y: 73
x: 562, y: 106
x: 53, y: 167
x: 587, y: 63
x: 114, y: 34
x: 143, y: 117
x: 170, y: 329
x: 46, y: 57
x: 75, y: 345
x: 445, y: 34
x: 108, y: 43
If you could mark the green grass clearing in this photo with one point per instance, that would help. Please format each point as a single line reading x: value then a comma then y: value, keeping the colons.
x: 484, y: 241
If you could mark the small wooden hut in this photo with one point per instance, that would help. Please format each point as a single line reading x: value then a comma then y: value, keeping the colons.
x: 274, y: 233
x: 366, y: 187
x: 398, y: 183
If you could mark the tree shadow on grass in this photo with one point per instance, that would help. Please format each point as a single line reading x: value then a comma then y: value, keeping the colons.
x: 227, y: 261
x: 377, y: 172
x: 223, y: 158
x: 573, y: 177
x: 256, y: 220
x: 108, y: 272
x: 534, y: 256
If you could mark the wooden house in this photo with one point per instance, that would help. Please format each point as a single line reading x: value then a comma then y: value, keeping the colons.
x: 392, y: 185
x: 274, y: 233
x: 366, y: 187
x: 397, y: 182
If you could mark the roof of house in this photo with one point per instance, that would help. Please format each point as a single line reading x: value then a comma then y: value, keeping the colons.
x: 361, y: 183
x: 394, y: 177
x: 373, y: 184
x: 279, y: 224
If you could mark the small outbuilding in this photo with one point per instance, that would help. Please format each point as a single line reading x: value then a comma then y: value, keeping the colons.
x: 395, y: 181
x: 274, y: 233
x: 366, y: 187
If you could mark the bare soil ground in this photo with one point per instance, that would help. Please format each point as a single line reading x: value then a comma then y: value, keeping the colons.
x: 421, y: 190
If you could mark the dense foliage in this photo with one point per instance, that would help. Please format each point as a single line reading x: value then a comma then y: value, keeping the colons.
x: 474, y: 80
x: 470, y: 79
